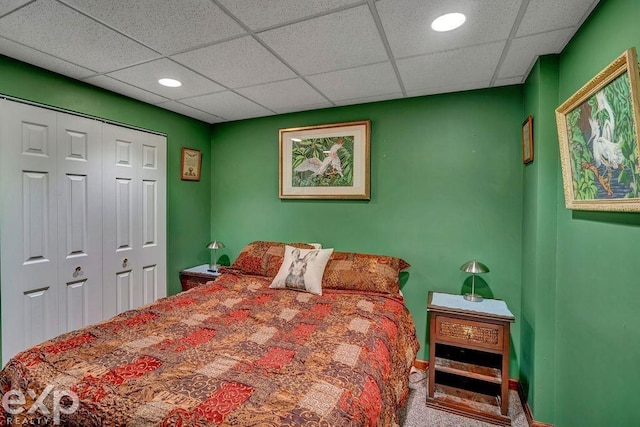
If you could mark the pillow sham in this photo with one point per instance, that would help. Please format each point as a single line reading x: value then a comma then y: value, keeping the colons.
x: 302, y: 269
x: 364, y: 272
x: 263, y: 258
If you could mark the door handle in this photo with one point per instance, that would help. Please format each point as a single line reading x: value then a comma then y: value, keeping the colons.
x: 125, y: 262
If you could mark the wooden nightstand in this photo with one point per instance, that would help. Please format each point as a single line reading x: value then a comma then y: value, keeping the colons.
x: 196, y: 276
x: 469, y: 357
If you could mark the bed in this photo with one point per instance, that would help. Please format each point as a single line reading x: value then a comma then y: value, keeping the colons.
x: 231, y: 352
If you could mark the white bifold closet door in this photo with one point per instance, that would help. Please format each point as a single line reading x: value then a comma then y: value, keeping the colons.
x: 77, y: 199
x: 134, y: 221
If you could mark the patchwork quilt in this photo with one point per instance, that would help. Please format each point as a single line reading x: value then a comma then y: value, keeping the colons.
x: 231, y: 352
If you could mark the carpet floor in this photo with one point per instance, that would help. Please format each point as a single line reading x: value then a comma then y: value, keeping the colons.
x: 417, y: 414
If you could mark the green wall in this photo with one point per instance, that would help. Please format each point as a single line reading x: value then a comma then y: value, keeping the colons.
x: 446, y: 186
x: 598, y: 341
x: 589, y: 306
x: 188, y: 203
x: 537, y: 367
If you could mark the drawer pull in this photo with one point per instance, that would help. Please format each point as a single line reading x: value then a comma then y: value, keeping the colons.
x: 468, y: 332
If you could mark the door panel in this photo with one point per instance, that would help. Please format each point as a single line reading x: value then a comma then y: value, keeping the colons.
x: 135, y: 219
x: 80, y: 221
x: 28, y: 226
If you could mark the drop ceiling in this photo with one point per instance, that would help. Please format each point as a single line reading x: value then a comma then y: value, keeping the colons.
x: 240, y: 59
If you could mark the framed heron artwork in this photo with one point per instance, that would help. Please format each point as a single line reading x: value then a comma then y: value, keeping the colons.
x: 325, y: 161
x: 598, y: 136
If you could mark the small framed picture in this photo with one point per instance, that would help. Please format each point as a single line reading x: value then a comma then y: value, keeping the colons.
x: 527, y: 140
x: 190, y: 165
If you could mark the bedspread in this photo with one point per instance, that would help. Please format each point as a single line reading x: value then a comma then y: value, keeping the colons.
x: 231, y: 352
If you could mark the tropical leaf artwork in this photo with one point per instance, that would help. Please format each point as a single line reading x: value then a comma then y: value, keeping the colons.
x: 322, y: 162
x: 603, y: 144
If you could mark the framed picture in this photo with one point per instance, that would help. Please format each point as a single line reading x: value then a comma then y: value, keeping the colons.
x: 190, y: 164
x: 598, y: 136
x: 326, y: 161
x: 527, y: 140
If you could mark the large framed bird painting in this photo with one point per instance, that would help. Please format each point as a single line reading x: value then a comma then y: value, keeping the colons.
x: 598, y: 135
x: 328, y: 161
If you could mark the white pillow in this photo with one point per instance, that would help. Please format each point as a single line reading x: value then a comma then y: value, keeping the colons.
x: 302, y: 269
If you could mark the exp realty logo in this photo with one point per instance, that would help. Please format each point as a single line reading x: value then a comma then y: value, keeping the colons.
x: 62, y: 402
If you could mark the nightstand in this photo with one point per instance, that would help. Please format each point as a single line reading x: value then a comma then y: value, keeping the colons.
x: 196, y: 276
x: 469, y: 357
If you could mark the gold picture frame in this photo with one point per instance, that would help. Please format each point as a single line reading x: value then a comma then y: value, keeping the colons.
x: 190, y: 164
x: 329, y: 161
x: 598, y: 136
x: 527, y: 140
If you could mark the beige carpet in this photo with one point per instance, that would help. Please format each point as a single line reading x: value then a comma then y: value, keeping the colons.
x: 417, y: 414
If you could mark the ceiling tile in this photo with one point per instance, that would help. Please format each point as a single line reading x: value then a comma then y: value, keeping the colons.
x: 124, y: 89
x: 167, y: 26
x: 236, y: 63
x: 284, y: 95
x: 7, y: 6
x: 146, y: 76
x: 547, y: 15
x: 524, y: 51
x: 353, y: 83
x: 177, y: 107
x: 340, y: 40
x: 51, y: 27
x: 266, y: 14
x: 227, y: 105
x: 42, y: 60
x: 407, y: 24
x: 459, y: 66
x: 366, y: 99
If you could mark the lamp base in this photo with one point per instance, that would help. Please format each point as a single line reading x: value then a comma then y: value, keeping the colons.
x: 473, y: 297
x: 213, y: 268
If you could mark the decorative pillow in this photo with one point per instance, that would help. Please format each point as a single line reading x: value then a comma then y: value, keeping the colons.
x: 364, y: 272
x: 302, y: 269
x: 263, y: 258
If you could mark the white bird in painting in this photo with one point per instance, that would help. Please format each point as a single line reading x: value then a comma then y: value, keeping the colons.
x: 609, y: 124
x: 319, y: 167
x: 605, y: 150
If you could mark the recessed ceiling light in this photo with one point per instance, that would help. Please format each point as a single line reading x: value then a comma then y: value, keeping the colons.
x: 448, y: 22
x: 170, y: 82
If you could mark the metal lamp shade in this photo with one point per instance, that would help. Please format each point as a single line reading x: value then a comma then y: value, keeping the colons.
x: 474, y: 267
x: 215, y: 245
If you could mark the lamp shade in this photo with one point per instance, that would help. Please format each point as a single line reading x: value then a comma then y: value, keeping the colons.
x: 215, y: 245
x: 474, y: 267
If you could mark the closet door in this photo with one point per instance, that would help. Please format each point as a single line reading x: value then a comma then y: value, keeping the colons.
x: 79, y: 221
x: 28, y: 226
x: 134, y: 250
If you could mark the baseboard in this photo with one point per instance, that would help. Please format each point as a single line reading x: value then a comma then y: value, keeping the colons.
x: 423, y: 365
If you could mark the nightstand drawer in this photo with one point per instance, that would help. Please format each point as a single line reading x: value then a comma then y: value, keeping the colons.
x: 189, y: 282
x: 480, y: 334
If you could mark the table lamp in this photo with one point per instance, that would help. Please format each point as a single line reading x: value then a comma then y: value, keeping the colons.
x: 215, y: 245
x: 474, y: 267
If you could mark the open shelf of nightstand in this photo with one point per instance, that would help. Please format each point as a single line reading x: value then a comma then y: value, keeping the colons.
x: 469, y: 370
